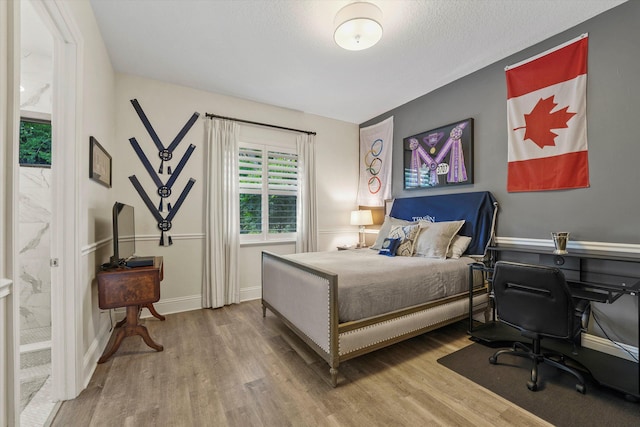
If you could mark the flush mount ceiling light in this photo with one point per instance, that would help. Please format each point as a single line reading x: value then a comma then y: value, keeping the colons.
x: 358, y: 26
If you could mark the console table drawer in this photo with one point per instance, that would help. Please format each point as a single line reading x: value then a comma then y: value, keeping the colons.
x: 121, y: 288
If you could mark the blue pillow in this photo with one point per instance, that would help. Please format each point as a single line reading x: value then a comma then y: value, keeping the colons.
x: 389, y: 246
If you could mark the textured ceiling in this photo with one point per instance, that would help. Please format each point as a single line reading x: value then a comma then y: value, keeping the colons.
x: 281, y: 52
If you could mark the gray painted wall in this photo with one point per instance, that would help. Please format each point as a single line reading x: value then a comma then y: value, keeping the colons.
x: 608, y: 211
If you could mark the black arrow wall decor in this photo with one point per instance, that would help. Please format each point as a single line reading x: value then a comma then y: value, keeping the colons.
x: 164, y: 190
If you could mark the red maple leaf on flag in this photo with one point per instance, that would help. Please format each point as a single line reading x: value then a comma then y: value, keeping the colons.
x: 541, y: 120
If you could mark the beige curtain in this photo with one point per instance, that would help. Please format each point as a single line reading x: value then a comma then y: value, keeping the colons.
x: 220, y: 279
x: 307, y: 215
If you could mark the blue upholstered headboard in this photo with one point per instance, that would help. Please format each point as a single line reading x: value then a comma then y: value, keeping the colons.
x: 478, y: 209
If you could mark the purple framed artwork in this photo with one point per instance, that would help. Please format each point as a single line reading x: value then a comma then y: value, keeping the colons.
x: 439, y: 157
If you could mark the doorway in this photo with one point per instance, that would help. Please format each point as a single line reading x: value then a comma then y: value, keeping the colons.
x: 34, y: 218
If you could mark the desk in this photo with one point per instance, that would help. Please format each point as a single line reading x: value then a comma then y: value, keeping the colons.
x: 615, y: 275
x: 133, y: 288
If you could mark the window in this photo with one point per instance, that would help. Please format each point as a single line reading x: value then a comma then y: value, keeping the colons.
x: 268, y: 192
x: 35, y: 143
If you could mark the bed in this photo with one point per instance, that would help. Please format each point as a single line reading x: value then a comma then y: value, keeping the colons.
x: 344, y: 304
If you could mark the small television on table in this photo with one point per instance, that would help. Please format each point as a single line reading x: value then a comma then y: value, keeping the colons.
x: 124, y: 239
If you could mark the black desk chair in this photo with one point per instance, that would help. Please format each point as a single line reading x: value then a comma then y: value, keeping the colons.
x: 537, y: 301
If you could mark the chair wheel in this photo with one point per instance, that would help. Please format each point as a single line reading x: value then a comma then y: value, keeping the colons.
x: 581, y: 388
x: 532, y: 386
x: 493, y: 360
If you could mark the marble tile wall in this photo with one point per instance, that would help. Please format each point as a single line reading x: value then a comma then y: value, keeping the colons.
x: 34, y: 248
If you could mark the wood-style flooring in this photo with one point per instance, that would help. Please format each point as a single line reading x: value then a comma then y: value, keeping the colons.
x: 232, y: 367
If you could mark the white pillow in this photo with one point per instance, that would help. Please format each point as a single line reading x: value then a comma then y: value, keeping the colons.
x: 435, y: 237
x: 386, y: 228
x: 458, y: 245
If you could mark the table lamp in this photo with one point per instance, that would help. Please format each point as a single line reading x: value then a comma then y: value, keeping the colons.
x: 361, y: 218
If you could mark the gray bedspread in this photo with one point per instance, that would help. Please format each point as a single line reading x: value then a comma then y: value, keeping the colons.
x: 370, y: 284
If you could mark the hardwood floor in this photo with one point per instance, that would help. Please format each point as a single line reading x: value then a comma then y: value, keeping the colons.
x: 232, y: 367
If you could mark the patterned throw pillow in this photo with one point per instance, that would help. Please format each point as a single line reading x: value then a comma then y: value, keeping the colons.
x: 388, y: 223
x: 407, y: 235
x: 389, y: 247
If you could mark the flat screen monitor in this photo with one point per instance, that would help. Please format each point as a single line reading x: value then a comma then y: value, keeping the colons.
x: 124, y: 236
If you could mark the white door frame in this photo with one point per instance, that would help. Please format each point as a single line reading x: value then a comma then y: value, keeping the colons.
x: 66, y: 359
x: 67, y: 128
x: 9, y: 124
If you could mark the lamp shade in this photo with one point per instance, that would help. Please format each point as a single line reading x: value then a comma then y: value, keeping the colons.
x: 361, y: 217
x: 358, y: 26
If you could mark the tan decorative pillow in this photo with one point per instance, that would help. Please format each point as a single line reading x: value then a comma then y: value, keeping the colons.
x: 458, y: 245
x: 389, y: 222
x: 407, y: 235
x: 435, y: 237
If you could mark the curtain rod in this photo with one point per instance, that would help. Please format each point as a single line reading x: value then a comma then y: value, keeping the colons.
x: 215, y: 116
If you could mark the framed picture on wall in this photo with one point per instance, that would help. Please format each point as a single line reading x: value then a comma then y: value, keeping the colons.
x: 99, y: 163
x: 439, y: 157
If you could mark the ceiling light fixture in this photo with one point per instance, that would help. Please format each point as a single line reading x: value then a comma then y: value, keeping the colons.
x: 358, y: 26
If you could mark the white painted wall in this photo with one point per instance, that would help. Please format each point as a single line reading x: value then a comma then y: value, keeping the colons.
x: 95, y: 116
x: 168, y: 107
x: 103, y: 111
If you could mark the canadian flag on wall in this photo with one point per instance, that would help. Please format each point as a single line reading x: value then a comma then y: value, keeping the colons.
x: 546, y: 119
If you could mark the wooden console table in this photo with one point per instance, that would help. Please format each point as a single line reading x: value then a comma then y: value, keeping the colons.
x: 133, y: 288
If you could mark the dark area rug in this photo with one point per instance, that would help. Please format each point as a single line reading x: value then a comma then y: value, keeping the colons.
x: 556, y: 400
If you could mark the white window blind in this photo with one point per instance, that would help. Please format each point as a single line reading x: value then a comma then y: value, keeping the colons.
x: 268, y: 192
x: 250, y: 164
x: 283, y: 173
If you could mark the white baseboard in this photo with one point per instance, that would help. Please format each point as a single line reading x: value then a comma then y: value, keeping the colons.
x: 97, y: 347
x: 603, y: 345
x: 189, y: 303
x: 194, y: 302
x: 175, y: 305
x: 249, y: 294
